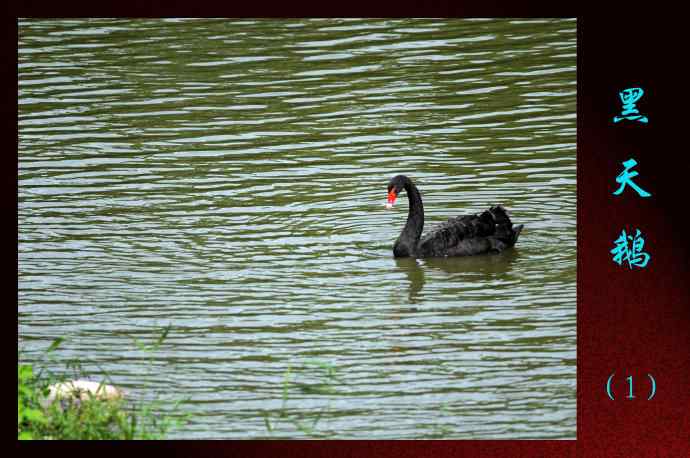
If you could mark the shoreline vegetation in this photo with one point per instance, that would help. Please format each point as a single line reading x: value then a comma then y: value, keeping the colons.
x: 58, y: 407
x: 53, y: 407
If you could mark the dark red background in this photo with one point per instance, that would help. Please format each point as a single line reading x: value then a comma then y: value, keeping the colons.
x: 630, y: 322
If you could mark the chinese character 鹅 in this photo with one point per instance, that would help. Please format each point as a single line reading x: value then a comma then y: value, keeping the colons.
x: 630, y: 252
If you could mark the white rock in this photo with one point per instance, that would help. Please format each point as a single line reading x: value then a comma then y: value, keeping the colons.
x: 83, y: 390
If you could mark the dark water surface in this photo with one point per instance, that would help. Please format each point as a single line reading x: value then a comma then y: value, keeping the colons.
x: 228, y: 178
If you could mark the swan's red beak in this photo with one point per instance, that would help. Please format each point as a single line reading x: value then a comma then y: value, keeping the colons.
x: 391, y: 198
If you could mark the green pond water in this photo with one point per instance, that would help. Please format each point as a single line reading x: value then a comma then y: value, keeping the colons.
x: 228, y: 178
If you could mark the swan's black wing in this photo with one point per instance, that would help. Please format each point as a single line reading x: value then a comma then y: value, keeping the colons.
x: 489, y: 231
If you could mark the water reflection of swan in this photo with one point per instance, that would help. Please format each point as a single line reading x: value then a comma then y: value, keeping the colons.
x: 470, y: 266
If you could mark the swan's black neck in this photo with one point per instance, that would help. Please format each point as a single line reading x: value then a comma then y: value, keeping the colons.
x: 409, y: 237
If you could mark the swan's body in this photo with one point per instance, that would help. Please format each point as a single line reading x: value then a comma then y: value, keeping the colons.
x: 488, y: 232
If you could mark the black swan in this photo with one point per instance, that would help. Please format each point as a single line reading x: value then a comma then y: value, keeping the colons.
x: 488, y: 232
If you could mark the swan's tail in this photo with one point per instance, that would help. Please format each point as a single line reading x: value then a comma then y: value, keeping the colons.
x: 516, y: 231
x: 504, y: 227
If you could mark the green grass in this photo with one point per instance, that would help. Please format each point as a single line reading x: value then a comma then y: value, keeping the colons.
x: 91, y: 418
x: 323, y: 378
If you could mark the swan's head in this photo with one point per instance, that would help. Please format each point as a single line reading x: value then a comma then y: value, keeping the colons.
x: 396, y: 185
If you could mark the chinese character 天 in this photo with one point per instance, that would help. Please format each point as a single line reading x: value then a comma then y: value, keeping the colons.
x: 625, y: 178
x: 630, y: 112
x: 629, y: 249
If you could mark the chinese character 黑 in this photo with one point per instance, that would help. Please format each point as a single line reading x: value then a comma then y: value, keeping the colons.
x: 629, y: 97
